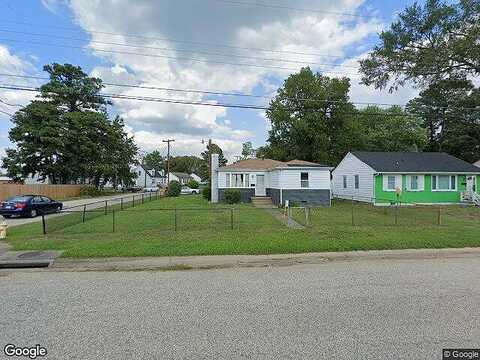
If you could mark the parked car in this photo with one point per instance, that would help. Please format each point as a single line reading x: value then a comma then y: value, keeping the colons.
x: 187, y: 190
x: 29, y: 205
x: 151, y: 189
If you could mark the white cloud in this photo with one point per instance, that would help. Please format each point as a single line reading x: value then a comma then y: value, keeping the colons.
x: 234, y: 26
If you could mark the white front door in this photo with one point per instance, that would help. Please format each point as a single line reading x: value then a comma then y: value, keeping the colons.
x: 260, y: 186
x: 470, y: 183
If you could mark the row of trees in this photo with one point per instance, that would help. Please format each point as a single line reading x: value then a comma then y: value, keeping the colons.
x: 434, y: 47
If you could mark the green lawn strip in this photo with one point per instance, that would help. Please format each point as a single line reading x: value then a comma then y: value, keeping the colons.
x: 208, y: 231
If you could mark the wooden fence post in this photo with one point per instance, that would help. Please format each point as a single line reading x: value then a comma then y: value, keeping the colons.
x: 84, y: 211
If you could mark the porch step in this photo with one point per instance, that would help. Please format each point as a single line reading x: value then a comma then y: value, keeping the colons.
x: 262, y: 201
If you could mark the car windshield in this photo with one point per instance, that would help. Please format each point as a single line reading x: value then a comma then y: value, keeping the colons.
x: 19, y: 198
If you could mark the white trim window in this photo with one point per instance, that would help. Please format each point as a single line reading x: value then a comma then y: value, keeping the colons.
x: 444, y: 182
x: 345, y: 184
x: 357, y: 181
x: 415, y: 182
x: 392, y: 182
x: 304, y: 179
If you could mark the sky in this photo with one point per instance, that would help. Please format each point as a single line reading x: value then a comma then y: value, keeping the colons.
x: 235, y: 46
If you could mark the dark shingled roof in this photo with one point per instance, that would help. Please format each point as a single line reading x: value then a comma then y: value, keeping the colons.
x: 429, y: 162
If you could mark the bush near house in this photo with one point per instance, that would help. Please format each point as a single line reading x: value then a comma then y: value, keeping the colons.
x: 232, y: 196
x: 193, y: 184
x: 207, y: 193
x: 174, y: 188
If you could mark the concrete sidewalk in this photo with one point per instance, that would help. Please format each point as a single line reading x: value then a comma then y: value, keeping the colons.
x: 231, y: 261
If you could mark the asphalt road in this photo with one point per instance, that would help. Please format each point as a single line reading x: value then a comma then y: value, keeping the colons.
x: 66, y: 205
x: 343, y: 310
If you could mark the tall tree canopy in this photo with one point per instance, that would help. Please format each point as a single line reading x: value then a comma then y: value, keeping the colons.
x: 186, y: 164
x: 211, y: 149
x: 247, y: 150
x: 309, y: 116
x: 430, y: 42
x: 450, y: 111
x: 154, y: 160
x: 65, y: 135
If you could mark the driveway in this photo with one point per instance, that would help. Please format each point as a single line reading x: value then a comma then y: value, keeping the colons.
x: 379, y: 309
x: 66, y: 205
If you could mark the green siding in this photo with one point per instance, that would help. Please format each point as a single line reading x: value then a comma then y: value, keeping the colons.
x: 425, y: 196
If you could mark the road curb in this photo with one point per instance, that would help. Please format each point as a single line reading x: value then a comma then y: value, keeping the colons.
x: 233, y: 261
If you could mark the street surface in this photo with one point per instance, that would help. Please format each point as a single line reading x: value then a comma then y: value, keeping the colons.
x: 369, y: 309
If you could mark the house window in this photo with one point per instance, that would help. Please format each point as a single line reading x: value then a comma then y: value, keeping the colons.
x: 344, y: 181
x: 357, y: 181
x: 239, y: 180
x: 414, y: 182
x: 391, y: 182
x: 304, y: 180
x: 444, y: 182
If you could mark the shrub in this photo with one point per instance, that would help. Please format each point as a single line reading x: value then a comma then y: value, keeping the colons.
x: 90, y: 190
x: 174, y: 188
x: 193, y: 184
x: 207, y: 193
x: 232, y: 196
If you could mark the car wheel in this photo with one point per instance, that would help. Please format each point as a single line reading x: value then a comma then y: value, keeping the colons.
x: 33, y: 213
x: 193, y: 192
x: 58, y: 209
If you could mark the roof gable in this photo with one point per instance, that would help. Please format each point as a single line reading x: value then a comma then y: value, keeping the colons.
x: 429, y: 162
x: 254, y: 164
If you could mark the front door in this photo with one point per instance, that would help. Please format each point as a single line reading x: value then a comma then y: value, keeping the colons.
x: 260, y: 188
x: 470, y: 183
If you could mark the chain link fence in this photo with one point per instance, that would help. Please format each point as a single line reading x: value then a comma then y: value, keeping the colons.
x: 355, y: 213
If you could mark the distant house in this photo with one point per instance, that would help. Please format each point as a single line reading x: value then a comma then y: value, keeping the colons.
x: 4, y: 179
x: 182, y: 178
x: 196, y: 177
x: 296, y: 181
x: 34, y: 179
x: 148, y: 177
x: 409, y: 177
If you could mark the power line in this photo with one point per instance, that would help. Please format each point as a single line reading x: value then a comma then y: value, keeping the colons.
x: 6, y: 113
x: 163, y: 56
x: 283, y: 7
x: 204, y: 103
x: 65, y: 28
x: 176, y: 50
x: 239, y: 94
x: 9, y: 104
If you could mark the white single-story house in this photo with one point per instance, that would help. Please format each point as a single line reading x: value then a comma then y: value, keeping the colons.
x: 182, y: 178
x: 384, y: 178
x: 297, y: 181
x: 196, y: 177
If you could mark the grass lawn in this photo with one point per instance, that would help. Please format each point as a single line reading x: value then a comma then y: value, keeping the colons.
x: 149, y: 230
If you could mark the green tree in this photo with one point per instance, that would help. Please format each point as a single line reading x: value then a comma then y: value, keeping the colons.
x: 393, y: 129
x: 186, y: 164
x: 247, y: 150
x: 449, y: 111
x: 428, y: 43
x: 309, y: 116
x: 211, y: 149
x: 154, y: 160
x: 65, y: 135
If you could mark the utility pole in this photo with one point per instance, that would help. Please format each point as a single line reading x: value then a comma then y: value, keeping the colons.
x: 168, y: 141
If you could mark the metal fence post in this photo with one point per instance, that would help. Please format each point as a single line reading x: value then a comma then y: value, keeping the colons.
x: 142, y: 198
x: 353, y: 217
x: 113, y: 220
x: 84, y: 211
x: 150, y: 196
x: 175, y: 218
x: 43, y: 225
x: 121, y: 203
x: 307, y: 216
x: 133, y: 201
x: 106, y: 204
x: 439, y: 216
x: 231, y: 218
x: 396, y: 213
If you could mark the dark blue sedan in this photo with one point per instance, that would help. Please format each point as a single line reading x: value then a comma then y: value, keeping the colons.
x: 29, y: 206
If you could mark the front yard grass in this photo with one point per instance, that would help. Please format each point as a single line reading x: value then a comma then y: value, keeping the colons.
x: 149, y: 230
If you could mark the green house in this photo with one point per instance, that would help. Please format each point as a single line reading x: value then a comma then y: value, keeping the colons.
x: 384, y: 178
